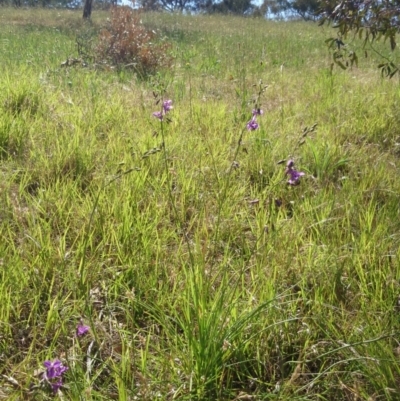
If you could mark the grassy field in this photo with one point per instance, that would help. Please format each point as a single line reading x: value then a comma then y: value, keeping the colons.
x: 200, y: 273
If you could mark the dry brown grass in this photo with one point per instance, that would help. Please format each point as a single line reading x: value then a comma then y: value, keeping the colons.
x: 126, y: 42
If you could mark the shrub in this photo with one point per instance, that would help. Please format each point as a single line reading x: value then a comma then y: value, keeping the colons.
x: 126, y: 42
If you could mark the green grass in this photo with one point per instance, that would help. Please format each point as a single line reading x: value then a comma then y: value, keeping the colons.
x: 202, y: 274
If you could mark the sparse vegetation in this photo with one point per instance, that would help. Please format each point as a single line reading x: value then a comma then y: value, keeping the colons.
x: 152, y: 247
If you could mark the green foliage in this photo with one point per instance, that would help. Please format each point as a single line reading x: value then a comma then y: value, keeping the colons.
x: 306, y: 9
x: 371, y: 21
x: 201, y: 273
x: 239, y: 7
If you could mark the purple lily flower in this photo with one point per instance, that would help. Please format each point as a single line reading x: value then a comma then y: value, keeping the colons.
x: 53, y: 373
x: 56, y: 385
x: 295, y: 177
x: 81, y: 329
x: 290, y: 164
x: 54, y: 369
x: 167, y: 106
x: 158, y: 115
x: 252, y: 125
x: 294, y: 174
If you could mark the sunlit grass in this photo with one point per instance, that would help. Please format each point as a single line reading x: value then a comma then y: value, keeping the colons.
x: 201, y: 273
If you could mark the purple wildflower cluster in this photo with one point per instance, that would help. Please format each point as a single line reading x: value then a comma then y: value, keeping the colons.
x: 252, y: 125
x: 53, y: 373
x: 167, y: 106
x: 293, y: 174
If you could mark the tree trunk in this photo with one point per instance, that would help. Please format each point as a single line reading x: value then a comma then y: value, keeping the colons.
x: 87, y: 9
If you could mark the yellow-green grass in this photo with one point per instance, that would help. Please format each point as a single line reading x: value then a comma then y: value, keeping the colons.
x: 201, y: 273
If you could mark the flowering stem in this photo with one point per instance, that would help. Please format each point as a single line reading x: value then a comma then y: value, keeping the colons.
x: 222, y: 198
x: 170, y: 196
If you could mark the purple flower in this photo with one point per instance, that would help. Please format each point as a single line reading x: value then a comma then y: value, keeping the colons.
x: 295, y: 177
x: 54, y: 369
x: 252, y: 125
x: 290, y: 164
x: 158, y: 115
x: 81, y: 329
x: 294, y: 174
x: 167, y: 105
x: 53, y: 373
x: 56, y: 385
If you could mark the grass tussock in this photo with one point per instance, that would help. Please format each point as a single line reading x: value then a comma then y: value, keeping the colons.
x: 156, y: 250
